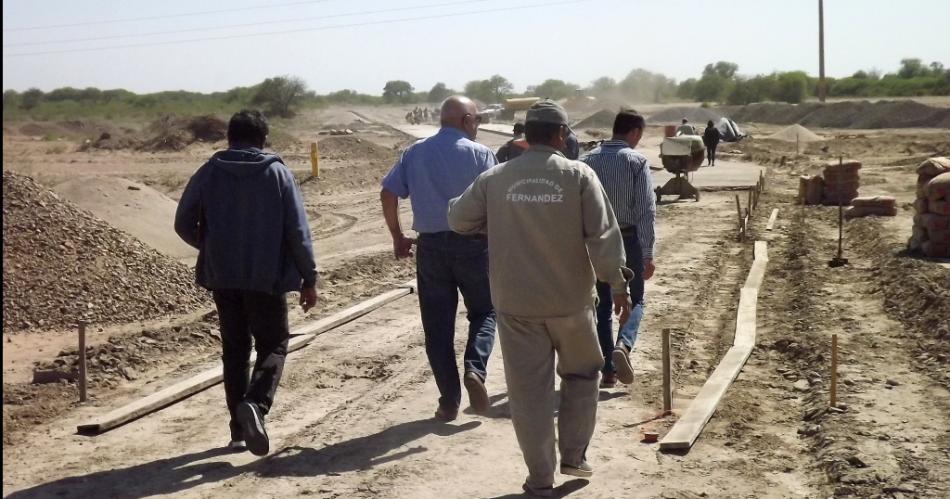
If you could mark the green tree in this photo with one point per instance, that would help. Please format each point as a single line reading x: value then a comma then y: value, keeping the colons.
x: 499, y: 87
x: 397, y: 91
x: 439, y: 92
x: 602, y: 86
x: 687, y: 88
x: 280, y: 95
x: 11, y: 99
x: 479, y: 90
x: 646, y: 86
x: 711, y: 87
x: 791, y: 87
x: 554, y: 89
x: 911, y: 68
x: 723, y: 69
x: 31, y: 98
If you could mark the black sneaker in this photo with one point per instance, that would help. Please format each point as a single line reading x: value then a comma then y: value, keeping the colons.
x: 253, y: 424
x: 445, y: 415
x: 237, y: 446
x: 621, y: 360
x: 477, y: 394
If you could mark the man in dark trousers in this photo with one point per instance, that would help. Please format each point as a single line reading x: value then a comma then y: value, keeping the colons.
x: 625, y: 175
x: 431, y: 172
x: 711, y: 138
x: 244, y: 212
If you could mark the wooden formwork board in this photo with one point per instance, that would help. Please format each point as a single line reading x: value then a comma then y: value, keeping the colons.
x: 700, y: 410
x: 772, y: 219
x: 188, y: 387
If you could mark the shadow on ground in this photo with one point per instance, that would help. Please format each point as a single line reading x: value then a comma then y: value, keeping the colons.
x: 168, y: 476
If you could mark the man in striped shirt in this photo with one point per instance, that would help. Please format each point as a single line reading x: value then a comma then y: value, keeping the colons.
x: 625, y: 175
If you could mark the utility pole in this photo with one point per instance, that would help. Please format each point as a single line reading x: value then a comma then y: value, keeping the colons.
x: 822, y: 89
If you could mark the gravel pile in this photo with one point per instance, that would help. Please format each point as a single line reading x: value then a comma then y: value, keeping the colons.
x: 62, y: 265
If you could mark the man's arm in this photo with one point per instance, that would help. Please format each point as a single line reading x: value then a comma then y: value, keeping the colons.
x: 297, y: 237
x: 605, y: 243
x: 644, y: 205
x: 402, y: 245
x: 188, y: 213
x: 468, y: 213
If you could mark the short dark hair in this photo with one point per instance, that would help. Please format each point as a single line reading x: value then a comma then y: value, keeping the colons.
x: 248, y: 127
x: 519, y: 127
x: 627, y: 120
x: 539, y: 132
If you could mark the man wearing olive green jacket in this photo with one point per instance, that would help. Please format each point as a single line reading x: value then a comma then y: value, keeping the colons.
x: 551, y: 235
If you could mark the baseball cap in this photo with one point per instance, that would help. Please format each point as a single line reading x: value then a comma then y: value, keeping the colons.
x: 546, y: 111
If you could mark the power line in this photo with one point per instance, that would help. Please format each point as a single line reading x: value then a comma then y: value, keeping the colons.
x: 166, y: 16
x: 301, y: 30
x: 244, y: 25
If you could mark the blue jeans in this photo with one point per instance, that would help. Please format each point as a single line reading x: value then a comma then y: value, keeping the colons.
x: 447, y: 263
x: 605, y: 304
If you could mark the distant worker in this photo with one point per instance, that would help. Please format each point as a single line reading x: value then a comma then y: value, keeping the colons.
x: 245, y: 214
x: 430, y: 172
x: 551, y: 235
x: 625, y: 175
x: 685, y: 129
x: 572, y: 148
x: 514, y: 147
x: 711, y: 138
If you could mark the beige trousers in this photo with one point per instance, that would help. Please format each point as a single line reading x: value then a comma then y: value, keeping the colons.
x: 529, y: 345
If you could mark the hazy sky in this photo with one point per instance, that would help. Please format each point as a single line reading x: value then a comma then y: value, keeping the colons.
x: 355, y: 46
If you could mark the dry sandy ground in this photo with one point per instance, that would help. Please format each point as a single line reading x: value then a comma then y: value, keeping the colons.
x: 352, y: 417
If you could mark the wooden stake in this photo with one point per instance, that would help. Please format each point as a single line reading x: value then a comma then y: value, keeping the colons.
x: 667, y: 374
x: 82, y: 361
x: 739, y: 212
x: 748, y: 207
x: 834, y: 370
x: 314, y: 161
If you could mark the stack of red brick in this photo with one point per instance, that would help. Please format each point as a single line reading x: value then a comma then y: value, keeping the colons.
x: 931, y: 234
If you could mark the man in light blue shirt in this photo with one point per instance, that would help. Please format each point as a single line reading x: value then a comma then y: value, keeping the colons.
x: 431, y: 172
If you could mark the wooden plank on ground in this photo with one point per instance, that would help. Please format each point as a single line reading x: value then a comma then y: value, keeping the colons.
x: 188, y: 387
x: 700, y: 410
x: 772, y: 218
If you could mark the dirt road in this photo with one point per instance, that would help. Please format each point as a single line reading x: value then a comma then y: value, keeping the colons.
x: 353, y: 414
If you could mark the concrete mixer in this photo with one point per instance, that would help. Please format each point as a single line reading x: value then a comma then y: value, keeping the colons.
x: 681, y: 156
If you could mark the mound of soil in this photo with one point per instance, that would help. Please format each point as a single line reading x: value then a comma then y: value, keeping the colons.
x: 62, y: 265
x: 350, y: 148
x: 174, y: 134
x: 848, y: 114
x: 131, y: 207
x: 795, y: 133
x: 696, y: 115
x: 601, y: 119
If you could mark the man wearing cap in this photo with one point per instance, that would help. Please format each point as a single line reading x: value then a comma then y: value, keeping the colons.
x: 432, y: 171
x: 625, y: 175
x: 551, y: 235
x: 514, y: 147
x: 685, y: 128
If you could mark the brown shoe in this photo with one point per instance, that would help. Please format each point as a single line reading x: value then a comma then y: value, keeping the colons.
x: 445, y: 414
x: 608, y: 381
x: 477, y: 394
x: 621, y: 360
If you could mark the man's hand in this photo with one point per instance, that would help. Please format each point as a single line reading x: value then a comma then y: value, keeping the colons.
x: 308, y: 298
x: 648, y: 269
x: 622, y: 306
x: 402, y: 246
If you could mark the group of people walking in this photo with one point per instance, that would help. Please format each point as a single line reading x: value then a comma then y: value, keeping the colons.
x: 543, y: 247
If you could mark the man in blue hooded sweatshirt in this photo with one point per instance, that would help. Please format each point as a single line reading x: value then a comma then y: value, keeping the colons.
x: 244, y: 212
